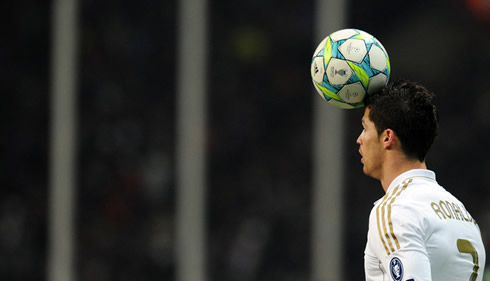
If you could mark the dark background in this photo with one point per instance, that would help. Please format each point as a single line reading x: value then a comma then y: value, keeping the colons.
x: 259, y: 131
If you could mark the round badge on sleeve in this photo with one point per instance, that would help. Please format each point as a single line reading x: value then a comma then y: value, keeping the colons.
x: 396, y: 268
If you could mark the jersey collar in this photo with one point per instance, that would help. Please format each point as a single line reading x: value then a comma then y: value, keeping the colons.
x: 419, y: 173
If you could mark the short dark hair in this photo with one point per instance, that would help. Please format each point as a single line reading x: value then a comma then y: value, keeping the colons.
x: 408, y: 109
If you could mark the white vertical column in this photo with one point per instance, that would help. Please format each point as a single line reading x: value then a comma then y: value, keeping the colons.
x: 191, y: 138
x: 328, y: 182
x: 62, y: 141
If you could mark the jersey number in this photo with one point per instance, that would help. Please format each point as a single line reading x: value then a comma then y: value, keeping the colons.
x: 464, y: 246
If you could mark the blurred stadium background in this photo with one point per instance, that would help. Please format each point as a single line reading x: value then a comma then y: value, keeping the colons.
x: 259, y: 133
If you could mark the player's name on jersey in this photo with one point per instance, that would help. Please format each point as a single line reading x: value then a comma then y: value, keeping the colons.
x: 449, y: 210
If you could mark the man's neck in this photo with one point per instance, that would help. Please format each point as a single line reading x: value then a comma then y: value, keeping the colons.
x: 396, y: 167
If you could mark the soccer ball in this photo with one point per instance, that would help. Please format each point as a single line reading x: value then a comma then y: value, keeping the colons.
x: 348, y: 64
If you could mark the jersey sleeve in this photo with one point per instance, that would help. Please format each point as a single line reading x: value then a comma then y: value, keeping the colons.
x: 407, y: 256
x: 372, y: 268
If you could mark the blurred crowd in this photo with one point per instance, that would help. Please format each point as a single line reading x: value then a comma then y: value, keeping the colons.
x: 259, y: 134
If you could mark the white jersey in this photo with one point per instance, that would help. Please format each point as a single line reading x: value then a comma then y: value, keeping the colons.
x: 419, y: 232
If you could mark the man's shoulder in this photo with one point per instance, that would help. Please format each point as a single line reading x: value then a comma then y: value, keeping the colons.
x: 412, y: 198
x: 417, y: 189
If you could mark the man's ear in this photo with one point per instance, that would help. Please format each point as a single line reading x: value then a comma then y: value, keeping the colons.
x: 388, y: 138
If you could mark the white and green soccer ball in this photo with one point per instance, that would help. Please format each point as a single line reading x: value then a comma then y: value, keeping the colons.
x: 347, y: 65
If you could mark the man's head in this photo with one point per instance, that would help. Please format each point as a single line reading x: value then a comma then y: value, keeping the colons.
x: 408, y: 109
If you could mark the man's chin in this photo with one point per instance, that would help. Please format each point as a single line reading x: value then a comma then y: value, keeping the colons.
x: 369, y: 173
x: 366, y: 171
